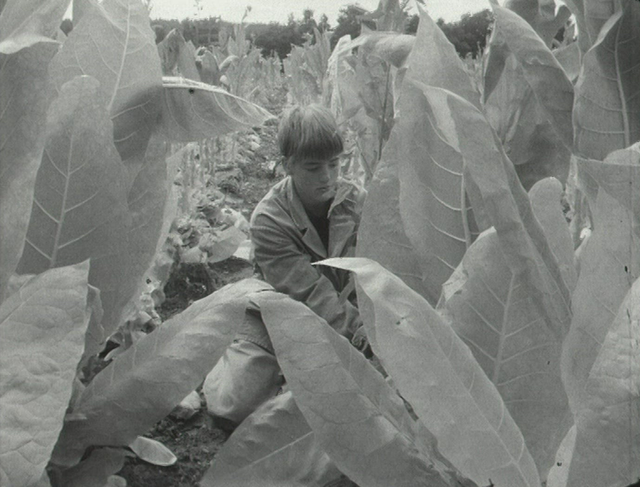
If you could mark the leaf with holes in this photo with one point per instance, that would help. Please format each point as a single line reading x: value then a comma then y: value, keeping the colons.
x: 451, y: 394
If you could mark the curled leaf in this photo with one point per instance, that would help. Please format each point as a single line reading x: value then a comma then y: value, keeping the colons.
x: 194, y: 111
x: 152, y: 451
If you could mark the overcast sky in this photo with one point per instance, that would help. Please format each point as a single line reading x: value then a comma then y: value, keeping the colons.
x: 264, y: 11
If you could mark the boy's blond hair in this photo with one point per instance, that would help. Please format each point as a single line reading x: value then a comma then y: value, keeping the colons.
x: 309, y: 131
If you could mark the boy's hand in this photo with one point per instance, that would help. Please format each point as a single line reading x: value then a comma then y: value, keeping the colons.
x: 359, y: 340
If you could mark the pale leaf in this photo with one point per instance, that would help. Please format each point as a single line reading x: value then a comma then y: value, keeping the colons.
x: 451, y: 395
x: 24, y: 23
x: 42, y: 330
x: 492, y: 312
x: 522, y: 124
x: 381, y: 235
x: 145, y: 383
x: 114, y: 43
x: 194, y: 111
x: 608, y: 90
x: 542, y: 71
x: 619, y: 176
x: 391, y: 47
x: 273, y: 446
x: 79, y: 205
x: 357, y: 418
x: 175, y: 53
x: 570, y: 58
x: 437, y: 217
x: 596, y: 14
x: 607, y: 450
x: 546, y: 203
x: 432, y: 48
x: 152, y: 451
x: 609, y: 265
x: 23, y: 107
x: 505, y: 204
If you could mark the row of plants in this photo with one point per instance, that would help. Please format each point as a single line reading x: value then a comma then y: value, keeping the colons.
x: 92, y: 136
x: 497, y: 272
x: 513, y: 339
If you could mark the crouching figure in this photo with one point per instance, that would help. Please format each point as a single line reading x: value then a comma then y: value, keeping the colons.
x: 311, y: 215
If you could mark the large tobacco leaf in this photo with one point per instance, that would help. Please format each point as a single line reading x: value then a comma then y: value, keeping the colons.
x: 381, y: 235
x: 609, y: 265
x: 618, y: 176
x: 511, y: 107
x: 541, y: 70
x: 541, y: 15
x: 23, y: 107
x: 596, y: 14
x: 492, y: 312
x: 151, y: 213
x: 607, y: 446
x: 42, y: 328
x: 357, y: 418
x: 502, y: 199
x: 146, y: 382
x: 194, y: 111
x: 450, y: 394
x: 398, y: 185
x: 435, y: 211
x: 80, y: 201
x: 273, y: 446
x: 432, y: 48
x: 175, y: 53
x: 114, y: 43
x: 24, y: 23
x: 546, y: 202
x: 608, y: 89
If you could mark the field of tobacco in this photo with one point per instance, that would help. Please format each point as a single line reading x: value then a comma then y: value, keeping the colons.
x: 497, y: 262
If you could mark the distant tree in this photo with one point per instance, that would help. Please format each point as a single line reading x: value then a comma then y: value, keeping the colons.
x: 323, y: 25
x: 279, y: 39
x: 66, y: 26
x: 411, y: 25
x: 160, y: 31
x: 308, y: 23
x: 469, y: 34
x: 348, y: 23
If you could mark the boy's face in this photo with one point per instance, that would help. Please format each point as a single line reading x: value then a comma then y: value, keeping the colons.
x: 315, y: 180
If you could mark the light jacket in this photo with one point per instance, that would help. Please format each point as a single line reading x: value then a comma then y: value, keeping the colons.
x: 286, y: 244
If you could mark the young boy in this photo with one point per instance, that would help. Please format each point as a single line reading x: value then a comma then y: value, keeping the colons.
x: 311, y: 215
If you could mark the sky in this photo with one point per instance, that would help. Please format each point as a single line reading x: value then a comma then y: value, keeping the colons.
x: 265, y: 11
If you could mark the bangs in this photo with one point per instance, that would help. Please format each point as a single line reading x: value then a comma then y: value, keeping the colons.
x: 307, y: 132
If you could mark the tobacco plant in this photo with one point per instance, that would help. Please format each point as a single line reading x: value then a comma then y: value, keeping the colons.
x: 86, y: 127
x: 510, y: 340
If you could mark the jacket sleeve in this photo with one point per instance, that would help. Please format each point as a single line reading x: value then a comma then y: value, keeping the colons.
x: 289, y: 270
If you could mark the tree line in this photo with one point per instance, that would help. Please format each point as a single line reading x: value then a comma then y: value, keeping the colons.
x: 468, y: 35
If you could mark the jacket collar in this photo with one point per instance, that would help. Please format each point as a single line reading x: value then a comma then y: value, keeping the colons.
x: 340, y: 225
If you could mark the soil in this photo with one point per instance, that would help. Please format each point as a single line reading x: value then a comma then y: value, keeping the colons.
x: 196, y: 441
